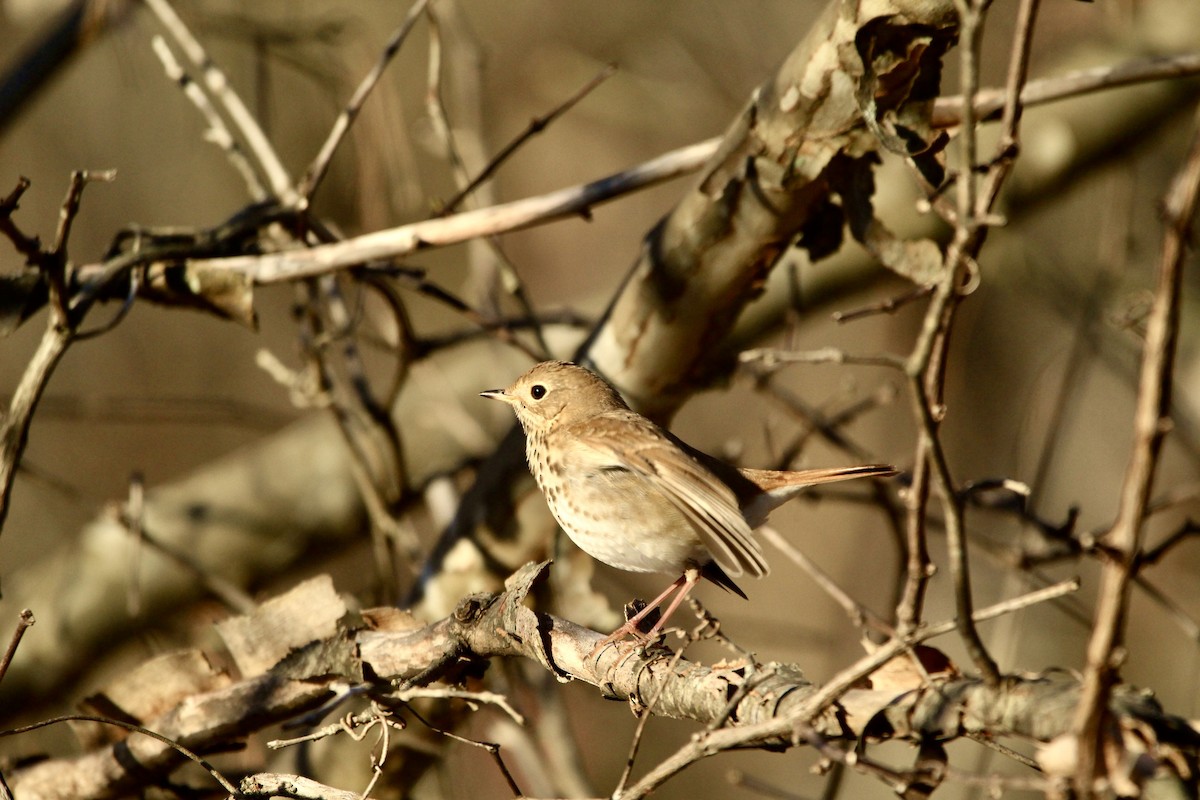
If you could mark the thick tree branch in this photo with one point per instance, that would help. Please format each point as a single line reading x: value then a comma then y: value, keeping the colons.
x: 485, y: 627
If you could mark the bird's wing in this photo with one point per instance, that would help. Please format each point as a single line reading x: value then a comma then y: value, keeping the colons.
x: 640, y: 447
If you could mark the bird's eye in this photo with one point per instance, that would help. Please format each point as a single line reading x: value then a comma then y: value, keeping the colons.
x: 537, y: 392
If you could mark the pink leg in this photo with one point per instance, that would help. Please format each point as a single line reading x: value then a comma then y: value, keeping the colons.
x: 683, y: 584
x: 689, y: 579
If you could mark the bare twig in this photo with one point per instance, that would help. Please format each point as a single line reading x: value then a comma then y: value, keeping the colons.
x: 889, y: 306
x: 1014, y: 106
x: 1152, y: 421
x: 320, y: 164
x: 918, y: 566
x: 60, y: 332
x: 917, y: 782
x: 54, y: 261
x: 174, y: 745
x: 416, y: 280
x: 927, y: 362
x: 14, y: 431
x: 131, y: 516
x: 410, y: 693
x: 859, y: 614
x: 947, y: 111
x: 406, y: 239
x: 536, y: 126
x: 218, y: 132
x: 491, y: 748
x: 644, y: 713
x: 487, y: 256
x: 435, y: 105
x: 370, y: 434
x: 24, y: 622
x: 770, y: 358
x: 217, y: 84
x: 28, y: 246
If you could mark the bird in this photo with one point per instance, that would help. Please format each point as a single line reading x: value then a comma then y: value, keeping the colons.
x: 631, y: 494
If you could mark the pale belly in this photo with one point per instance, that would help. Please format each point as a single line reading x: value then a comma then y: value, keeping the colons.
x: 619, y: 519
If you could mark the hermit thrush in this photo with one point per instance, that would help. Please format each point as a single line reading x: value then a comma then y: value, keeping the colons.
x: 635, y: 497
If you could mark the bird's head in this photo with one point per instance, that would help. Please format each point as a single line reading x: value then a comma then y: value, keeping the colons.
x: 557, y: 393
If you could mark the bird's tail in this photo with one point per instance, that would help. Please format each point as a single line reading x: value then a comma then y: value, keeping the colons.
x: 779, y: 486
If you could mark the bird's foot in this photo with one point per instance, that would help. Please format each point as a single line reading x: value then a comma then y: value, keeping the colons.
x: 630, y: 630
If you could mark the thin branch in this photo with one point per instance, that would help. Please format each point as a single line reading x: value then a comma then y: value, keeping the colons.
x: 375, y: 428
x: 435, y: 104
x: 28, y: 246
x: 218, y: 132
x: 770, y: 358
x: 320, y: 164
x: 643, y: 715
x: 918, y: 566
x: 59, y: 333
x: 917, y: 782
x: 370, y: 435
x: 408, y: 694
x: 1181, y: 534
x: 491, y: 748
x: 1151, y: 422
x: 889, y: 306
x: 14, y: 431
x: 947, y: 111
x: 859, y: 614
x: 926, y: 364
x: 536, y: 126
x: 225, y: 590
x: 532, y: 211
x: 1014, y: 106
x: 174, y: 745
x: 53, y: 262
x: 406, y: 239
x: 24, y: 622
x: 502, y: 329
x: 498, y: 268
x: 219, y: 87
x: 829, y: 425
x: 416, y: 280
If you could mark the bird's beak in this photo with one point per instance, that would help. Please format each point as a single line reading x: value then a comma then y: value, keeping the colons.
x: 499, y: 394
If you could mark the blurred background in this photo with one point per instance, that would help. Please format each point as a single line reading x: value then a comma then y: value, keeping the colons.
x: 1040, y: 385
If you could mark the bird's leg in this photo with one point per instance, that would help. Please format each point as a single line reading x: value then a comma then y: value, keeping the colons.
x: 631, y: 625
x: 683, y: 584
x: 689, y: 579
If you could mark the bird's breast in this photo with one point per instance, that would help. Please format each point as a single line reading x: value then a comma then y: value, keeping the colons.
x: 617, y: 516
